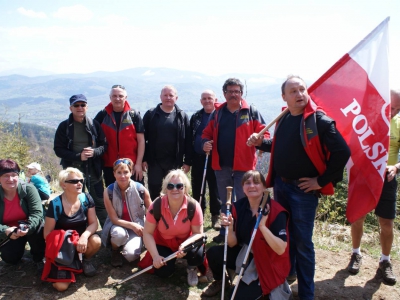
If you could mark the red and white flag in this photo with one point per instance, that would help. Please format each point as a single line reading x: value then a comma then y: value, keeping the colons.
x: 355, y: 93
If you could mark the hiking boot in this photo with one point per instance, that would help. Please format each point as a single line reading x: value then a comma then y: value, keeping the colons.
x: 215, y: 223
x: 88, y: 269
x: 116, y: 258
x: 386, y: 272
x: 213, y: 289
x: 355, y: 263
x: 192, y: 278
x: 39, y: 268
x: 219, y: 239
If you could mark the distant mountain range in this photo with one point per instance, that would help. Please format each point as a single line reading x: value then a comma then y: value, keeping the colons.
x: 43, y: 100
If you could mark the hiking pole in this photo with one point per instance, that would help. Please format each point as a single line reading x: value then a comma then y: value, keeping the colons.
x: 283, y: 112
x: 197, y: 242
x: 260, y: 209
x: 8, y: 238
x: 204, y: 178
x: 228, y: 206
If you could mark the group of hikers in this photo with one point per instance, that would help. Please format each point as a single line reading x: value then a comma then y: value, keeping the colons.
x: 267, y: 244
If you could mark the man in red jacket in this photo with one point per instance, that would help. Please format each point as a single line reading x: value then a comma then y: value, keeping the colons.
x: 308, y: 156
x: 124, y: 131
x: 225, y: 136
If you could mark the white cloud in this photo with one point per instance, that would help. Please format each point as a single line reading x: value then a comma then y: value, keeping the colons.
x: 31, y: 13
x: 73, y: 13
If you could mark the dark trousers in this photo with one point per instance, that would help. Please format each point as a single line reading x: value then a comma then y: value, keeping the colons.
x: 215, y: 257
x: 13, y: 250
x: 197, y: 179
x: 109, y: 178
x: 194, y: 257
x: 156, y: 174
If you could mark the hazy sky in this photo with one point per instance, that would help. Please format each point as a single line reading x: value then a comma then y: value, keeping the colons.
x: 271, y: 37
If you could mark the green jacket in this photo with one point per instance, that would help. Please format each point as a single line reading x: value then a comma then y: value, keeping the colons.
x: 30, y: 204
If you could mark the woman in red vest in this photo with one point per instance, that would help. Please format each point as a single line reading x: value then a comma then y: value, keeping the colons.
x: 268, y: 263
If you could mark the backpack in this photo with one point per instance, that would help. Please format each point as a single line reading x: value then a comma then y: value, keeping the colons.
x: 156, y: 211
x: 57, y: 205
x: 140, y: 191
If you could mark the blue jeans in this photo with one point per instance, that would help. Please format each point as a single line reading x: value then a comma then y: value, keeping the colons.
x: 302, y: 207
x: 227, y: 177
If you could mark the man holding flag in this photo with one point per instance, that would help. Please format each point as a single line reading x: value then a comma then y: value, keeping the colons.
x: 386, y: 208
x: 308, y: 156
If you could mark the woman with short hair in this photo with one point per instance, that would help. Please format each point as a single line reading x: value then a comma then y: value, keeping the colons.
x: 19, y: 203
x: 125, y: 201
x: 73, y: 210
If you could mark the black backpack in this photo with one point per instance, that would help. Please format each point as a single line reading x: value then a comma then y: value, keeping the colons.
x: 156, y: 211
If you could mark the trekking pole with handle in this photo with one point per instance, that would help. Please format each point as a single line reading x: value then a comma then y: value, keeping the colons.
x: 228, y: 206
x: 204, y: 178
x: 193, y: 244
x: 260, y: 209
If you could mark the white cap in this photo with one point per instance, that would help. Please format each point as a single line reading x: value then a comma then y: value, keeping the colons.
x: 34, y: 165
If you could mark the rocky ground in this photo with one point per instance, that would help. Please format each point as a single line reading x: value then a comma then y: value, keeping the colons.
x: 332, y: 281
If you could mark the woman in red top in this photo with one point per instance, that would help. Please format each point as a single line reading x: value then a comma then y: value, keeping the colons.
x: 166, y: 236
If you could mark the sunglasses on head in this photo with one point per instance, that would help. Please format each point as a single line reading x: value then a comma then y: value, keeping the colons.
x: 122, y: 161
x: 74, y: 181
x: 118, y: 86
x: 81, y: 105
x: 178, y: 186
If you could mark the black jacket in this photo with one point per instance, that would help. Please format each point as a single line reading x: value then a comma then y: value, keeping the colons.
x: 64, y: 138
x: 183, y: 149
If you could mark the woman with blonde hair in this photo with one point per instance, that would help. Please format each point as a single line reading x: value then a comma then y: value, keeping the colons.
x: 74, y: 210
x: 170, y: 221
x: 125, y: 202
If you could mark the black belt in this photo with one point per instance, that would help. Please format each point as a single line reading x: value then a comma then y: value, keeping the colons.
x: 296, y: 182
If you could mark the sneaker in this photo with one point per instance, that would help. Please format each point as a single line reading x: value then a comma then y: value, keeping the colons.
x: 355, y: 263
x: 215, y: 223
x: 219, y: 239
x: 88, y: 268
x: 192, y: 278
x: 213, y: 289
x: 386, y: 272
x: 116, y: 258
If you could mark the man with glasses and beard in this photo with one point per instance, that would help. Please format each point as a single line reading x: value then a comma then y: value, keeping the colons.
x: 123, y: 127
x: 80, y: 142
x: 225, y: 136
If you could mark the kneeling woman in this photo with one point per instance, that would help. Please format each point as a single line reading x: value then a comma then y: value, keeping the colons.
x: 268, y: 262
x: 125, y: 202
x: 172, y: 219
x: 19, y: 202
x: 71, y: 213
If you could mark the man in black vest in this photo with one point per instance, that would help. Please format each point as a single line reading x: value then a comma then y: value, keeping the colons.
x: 80, y: 142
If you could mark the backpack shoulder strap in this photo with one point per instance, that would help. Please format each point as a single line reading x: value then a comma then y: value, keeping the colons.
x: 110, y: 190
x: 57, y: 207
x: 83, y: 197
x: 156, y: 211
x: 141, y: 191
x: 191, y: 209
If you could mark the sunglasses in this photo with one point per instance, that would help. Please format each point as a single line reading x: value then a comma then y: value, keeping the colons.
x: 74, y: 181
x: 122, y: 161
x: 118, y: 86
x: 81, y: 105
x: 178, y: 186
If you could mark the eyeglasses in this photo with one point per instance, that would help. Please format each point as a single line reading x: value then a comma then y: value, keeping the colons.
x: 118, y: 86
x: 178, y: 186
x: 233, y: 92
x: 81, y: 105
x: 74, y: 181
x: 122, y: 161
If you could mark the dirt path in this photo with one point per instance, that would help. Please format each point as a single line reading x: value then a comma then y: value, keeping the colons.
x: 332, y: 281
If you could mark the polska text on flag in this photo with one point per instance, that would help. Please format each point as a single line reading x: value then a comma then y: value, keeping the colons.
x: 355, y: 93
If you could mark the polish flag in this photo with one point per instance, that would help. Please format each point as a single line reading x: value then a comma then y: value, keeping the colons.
x: 355, y: 93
